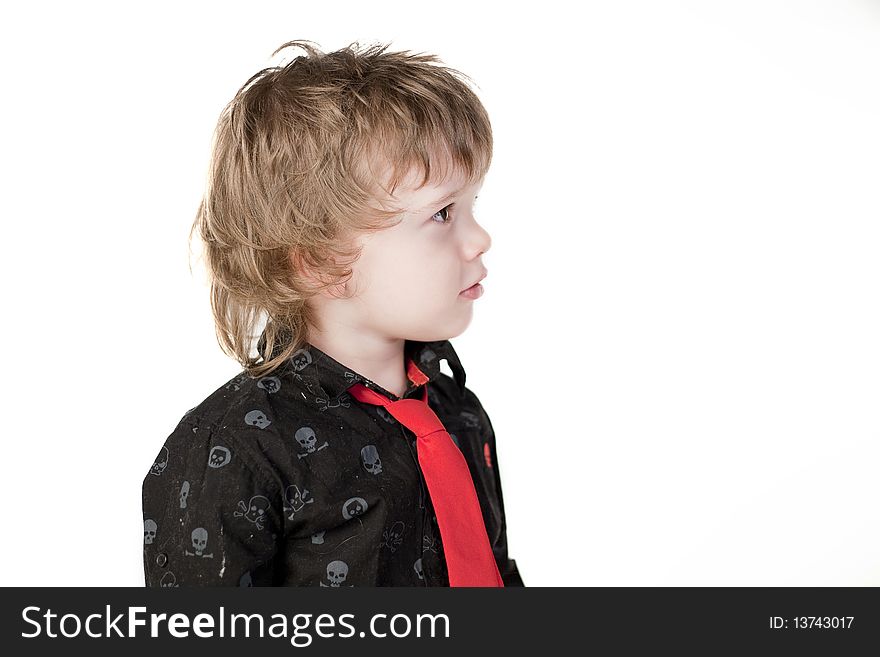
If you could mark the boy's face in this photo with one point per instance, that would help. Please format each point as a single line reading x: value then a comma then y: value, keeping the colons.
x: 407, y: 282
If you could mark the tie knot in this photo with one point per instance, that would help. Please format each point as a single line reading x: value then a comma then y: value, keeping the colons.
x: 414, y: 414
x: 363, y: 394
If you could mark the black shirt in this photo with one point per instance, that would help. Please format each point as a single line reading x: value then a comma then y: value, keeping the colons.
x: 287, y: 480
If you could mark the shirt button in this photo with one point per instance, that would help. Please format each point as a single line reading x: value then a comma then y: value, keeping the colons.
x: 161, y: 559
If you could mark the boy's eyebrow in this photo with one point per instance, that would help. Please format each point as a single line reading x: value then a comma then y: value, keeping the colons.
x: 448, y: 197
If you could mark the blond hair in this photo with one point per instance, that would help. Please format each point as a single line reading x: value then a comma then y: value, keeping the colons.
x: 299, y: 157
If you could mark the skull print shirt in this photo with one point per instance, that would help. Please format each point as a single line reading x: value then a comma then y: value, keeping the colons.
x: 287, y: 480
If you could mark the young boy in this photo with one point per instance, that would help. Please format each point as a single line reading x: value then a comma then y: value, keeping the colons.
x: 339, y: 210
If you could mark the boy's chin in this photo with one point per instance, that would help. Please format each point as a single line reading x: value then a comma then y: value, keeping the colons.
x: 446, y: 333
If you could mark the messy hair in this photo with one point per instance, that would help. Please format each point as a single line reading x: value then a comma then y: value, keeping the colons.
x: 305, y: 157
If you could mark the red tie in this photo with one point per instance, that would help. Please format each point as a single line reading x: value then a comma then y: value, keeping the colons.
x: 469, y: 557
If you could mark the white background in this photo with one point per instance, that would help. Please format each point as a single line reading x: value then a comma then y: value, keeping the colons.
x: 678, y: 345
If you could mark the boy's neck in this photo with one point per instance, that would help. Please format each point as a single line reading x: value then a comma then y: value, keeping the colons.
x: 380, y: 359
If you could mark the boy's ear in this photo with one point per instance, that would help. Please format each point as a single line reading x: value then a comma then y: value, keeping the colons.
x: 303, y: 271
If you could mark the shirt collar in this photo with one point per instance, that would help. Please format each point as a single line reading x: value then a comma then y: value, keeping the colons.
x: 323, y: 375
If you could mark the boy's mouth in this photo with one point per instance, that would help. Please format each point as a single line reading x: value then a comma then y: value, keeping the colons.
x: 485, y: 273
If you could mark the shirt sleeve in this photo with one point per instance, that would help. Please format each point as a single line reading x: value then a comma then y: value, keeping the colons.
x: 210, y: 519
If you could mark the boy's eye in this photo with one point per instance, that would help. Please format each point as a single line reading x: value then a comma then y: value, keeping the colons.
x: 444, y: 214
